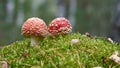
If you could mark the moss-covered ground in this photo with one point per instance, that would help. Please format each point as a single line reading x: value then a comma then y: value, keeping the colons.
x: 58, y: 52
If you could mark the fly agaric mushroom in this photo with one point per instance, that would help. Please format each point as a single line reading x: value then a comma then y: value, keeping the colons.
x: 59, y: 26
x: 34, y: 28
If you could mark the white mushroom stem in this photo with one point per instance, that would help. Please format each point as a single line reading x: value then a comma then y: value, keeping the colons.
x: 115, y: 57
x: 4, y: 64
x: 34, y: 41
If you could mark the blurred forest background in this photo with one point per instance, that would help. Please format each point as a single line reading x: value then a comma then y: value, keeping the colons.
x: 93, y: 16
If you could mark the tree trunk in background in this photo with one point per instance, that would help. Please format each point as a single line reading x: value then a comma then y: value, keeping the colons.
x: 4, y: 3
x: 10, y: 10
x: 72, y: 10
x: 115, y: 33
x: 60, y: 8
x: 20, y: 13
x: 35, y: 6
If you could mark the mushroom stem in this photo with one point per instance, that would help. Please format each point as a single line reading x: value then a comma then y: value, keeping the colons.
x: 34, y: 41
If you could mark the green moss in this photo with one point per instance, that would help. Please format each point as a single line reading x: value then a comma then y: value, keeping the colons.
x: 58, y: 52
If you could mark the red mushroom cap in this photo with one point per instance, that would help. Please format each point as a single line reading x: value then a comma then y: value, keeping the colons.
x: 59, y: 26
x: 34, y: 27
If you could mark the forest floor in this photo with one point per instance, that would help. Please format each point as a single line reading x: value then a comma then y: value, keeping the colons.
x: 65, y: 51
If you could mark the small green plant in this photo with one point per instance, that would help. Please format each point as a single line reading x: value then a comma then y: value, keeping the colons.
x: 58, y: 52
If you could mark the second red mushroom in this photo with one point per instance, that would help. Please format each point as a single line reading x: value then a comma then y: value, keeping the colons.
x: 59, y: 26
